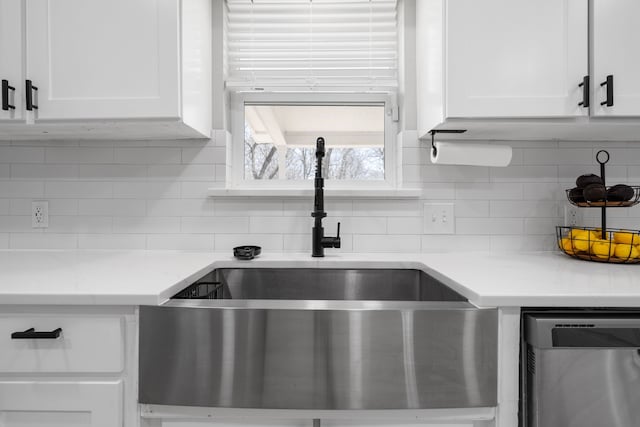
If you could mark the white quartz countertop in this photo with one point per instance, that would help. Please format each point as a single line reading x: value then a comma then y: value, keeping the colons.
x: 151, y: 277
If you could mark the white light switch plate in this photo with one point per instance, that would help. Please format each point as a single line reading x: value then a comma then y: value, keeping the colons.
x: 439, y: 218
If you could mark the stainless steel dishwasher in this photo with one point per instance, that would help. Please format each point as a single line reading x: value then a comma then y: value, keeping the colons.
x: 582, y: 369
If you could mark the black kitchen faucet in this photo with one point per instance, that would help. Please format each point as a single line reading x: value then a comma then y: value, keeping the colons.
x: 318, y: 240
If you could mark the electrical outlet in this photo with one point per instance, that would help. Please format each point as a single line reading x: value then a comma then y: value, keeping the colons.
x: 572, y: 216
x: 439, y: 218
x: 40, y: 214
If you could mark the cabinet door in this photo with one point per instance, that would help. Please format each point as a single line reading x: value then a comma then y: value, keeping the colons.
x: 101, y: 59
x: 615, y: 52
x: 515, y: 58
x: 60, y: 404
x: 11, y: 55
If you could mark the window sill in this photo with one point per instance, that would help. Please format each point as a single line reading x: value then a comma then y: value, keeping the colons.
x: 402, y: 193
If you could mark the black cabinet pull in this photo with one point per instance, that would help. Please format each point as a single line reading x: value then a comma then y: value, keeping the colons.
x: 29, y: 93
x: 609, y: 82
x: 585, y: 92
x: 31, y: 334
x: 5, y: 95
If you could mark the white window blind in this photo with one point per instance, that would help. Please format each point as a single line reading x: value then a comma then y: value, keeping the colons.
x: 312, y: 44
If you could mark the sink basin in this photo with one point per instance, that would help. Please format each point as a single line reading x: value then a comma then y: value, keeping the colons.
x: 319, y: 339
x: 330, y: 284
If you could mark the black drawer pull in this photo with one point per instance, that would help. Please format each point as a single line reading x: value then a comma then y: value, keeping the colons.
x: 585, y: 92
x: 609, y: 83
x: 31, y: 334
x: 5, y: 96
x: 29, y: 93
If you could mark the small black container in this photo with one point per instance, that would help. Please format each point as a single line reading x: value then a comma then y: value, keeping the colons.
x: 246, y: 252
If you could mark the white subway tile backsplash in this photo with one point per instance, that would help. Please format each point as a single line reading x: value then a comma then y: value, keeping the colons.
x: 21, y: 154
x: 489, y: 226
x: 365, y: 208
x: 79, y: 155
x: 5, y: 205
x: 154, y: 195
x: 112, y: 207
x: 525, y: 174
x: 148, y: 155
x: 447, y: 173
x: 112, y: 172
x: 43, y: 241
x: 189, y: 242
x: 455, y: 243
x: 12, y: 223
x: 268, y: 242
x: 471, y: 208
x: 284, y: 225
x: 522, y: 243
x: 404, y: 225
x: 78, y: 189
x: 385, y: 243
x: 56, y: 207
x: 214, y: 225
x: 147, y: 190
x: 489, y: 191
x: 21, y: 189
x: 541, y: 226
x: 80, y: 224
x: 43, y: 171
x: 204, y: 155
x: 558, y: 156
x: 524, y: 209
x: 246, y: 207
x: 180, y: 207
x: 112, y: 241
x: 543, y: 191
x: 148, y: 225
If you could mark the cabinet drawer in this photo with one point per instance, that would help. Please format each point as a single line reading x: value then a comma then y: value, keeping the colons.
x: 85, y: 344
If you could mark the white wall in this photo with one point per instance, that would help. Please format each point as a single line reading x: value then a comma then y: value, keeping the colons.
x: 152, y: 195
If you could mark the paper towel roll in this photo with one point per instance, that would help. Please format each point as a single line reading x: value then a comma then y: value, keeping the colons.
x: 465, y: 153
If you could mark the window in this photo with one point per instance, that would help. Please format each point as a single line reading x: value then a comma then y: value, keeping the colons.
x: 298, y: 70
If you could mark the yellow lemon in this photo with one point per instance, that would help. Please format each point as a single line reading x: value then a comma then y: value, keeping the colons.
x: 565, y: 245
x: 624, y: 251
x: 603, y: 248
x: 581, y: 240
x: 626, y: 237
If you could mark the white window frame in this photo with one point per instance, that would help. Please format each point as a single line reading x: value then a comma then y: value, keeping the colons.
x: 235, y: 175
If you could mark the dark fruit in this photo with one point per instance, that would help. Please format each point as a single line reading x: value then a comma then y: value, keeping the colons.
x: 620, y: 193
x: 594, y: 192
x: 576, y: 196
x: 584, y: 180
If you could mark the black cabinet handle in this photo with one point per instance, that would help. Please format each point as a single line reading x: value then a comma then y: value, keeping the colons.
x: 585, y: 92
x: 609, y: 82
x: 5, y: 95
x: 30, y: 89
x: 31, y: 334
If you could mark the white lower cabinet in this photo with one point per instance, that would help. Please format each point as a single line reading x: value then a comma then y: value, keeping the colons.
x: 61, y: 404
x: 64, y: 366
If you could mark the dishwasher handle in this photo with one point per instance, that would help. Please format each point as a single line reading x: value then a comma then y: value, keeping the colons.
x: 595, y: 337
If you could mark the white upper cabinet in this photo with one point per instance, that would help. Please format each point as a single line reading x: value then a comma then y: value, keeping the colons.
x: 99, y: 59
x: 616, y: 35
x: 108, y: 68
x: 10, y: 60
x: 515, y: 58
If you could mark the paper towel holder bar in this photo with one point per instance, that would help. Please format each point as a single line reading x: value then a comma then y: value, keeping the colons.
x: 433, y: 134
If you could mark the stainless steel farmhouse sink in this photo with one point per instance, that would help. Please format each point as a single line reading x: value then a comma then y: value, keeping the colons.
x: 318, y: 339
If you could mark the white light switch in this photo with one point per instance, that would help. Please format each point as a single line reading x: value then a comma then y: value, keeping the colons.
x: 439, y: 218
